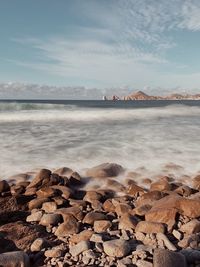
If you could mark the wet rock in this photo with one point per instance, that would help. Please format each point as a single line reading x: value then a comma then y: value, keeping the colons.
x: 108, y: 206
x: 91, y: 196
x: 105, y: 170
x: 49, y: 206
x: 37, y: 203
x: 75, y: 211
x: 196, y: 182
x: 93, y: 216
x: 112, y: 184
x: 35, y: 217
x: 161, y: 185
x: 39, y: 244
x: 150, y: 227
x: 46, y: 192
x: 41, y: 178
x: 65, y: 191
x: 149, y: 198
x: 102, y: 226
x: 166, y: 258
x: 14, y: 259
x: 134, y: 190
x: 50, y: 219
x: 4, y: 186
x: 79, y: 248
x: 85, y: 235
x: 116, y: 248
x: 189, y: 207
x: 70, y: 226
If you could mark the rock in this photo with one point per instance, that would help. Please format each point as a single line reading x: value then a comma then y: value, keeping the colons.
x: 142, y: 210
x: 177, y: 234
x: 70, y: 226
x: 75, y: 179
x: 64, y: 190
x: 116, y: 248
x: 37, y: 203
x: 91, y: 196
x: 150, y: 227
x: 4, y: 186
x: 191, y: 255
x: 55, y: 252
x: 149, y: 198
x: 46, y: 192
x: 49, y: 206
x: 134, y: 190
x: 41, y: 178
x: 102, y: 226
x: 168, y: 244
x: 191, y: 227
x: 75, y: 211
x: 79, y: 248
x: 105, y: 170
x: 35, y: 217
x: 196, y: 182
x: 143, y: 263
x: 64, y: 171
x: 184, y: 190
x: 14, y: 259
x: 127, y: 222
x: 121, y: 209
x: 85, y: 235
x: 22, y: 234
x: 189, y: 207
x: 93, y: 216
x: 108, y: 206
x: 161, y: 185
x: 166, y: 258
x: 112, y: 184
x: 39, y: 244
x: 97, y: 238
x: 50, y: 219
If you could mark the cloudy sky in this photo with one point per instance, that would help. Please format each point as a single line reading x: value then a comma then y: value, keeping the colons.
x: 101, y: 43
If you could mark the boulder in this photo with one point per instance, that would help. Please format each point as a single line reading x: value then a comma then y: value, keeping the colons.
x: 102, y: 226
x: 50, y: 219
x: 46, y: 192
x: 108, y: 206
x: 191, y: 227
x: 70, y: 226
x: 75, y: 211
x: 150, y: 227
x: 122, y: 208
x: 49, y: 206
x: 149, y: 198
x: 134, y: 190
x: 161, y: 185
x: 93, y: 216
x: 127, y: 222
x: 14, y: 259
x: 116, y: 248
x: 105, y: 170
x: 55, y: 252
x: 166, y: 258
x: 79, y: 248
x: 39, y: 244
x: 85, y: 235
x: 37, y: 203
x: 35, y: 217
x: 4, y: 186
x: 41, y: 178
x: 64, y: 190
x: 92, y: 196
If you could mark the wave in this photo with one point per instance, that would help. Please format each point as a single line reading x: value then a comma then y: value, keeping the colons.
x: 54, y: 112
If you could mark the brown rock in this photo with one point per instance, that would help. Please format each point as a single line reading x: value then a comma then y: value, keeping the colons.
x: 49, y: 206
x: 70, y: 226
x: 102, y: 226
x: 127, y: 222
x: 121, y: 208
x: 90, y: 196
x: 41, y: 178
x: 108, y: 206
x: 65, y: 191
x: 55, y: 252
x: 35, y: 217
x: 50, y: 219
x: 112, y: 184
x: 4, y: 186
x: 150, y: 227
x: 105, y: 170
x: 135, y: 190
x: 116, y: 248
x: 196, y: 182
x: 184, y: 190
x: 149, y: 198
x: 79, y: 248
x: 166, y: 258
x: 64, y: 171
x: 46, y: 192
x: 37, y: 203
x: 161, y: 185
x: 93, y: 216
x: 75, y: 211
x: 189, y: 207
x: 82, y: 236
x: 142, y: 210
x: 191, y: 227
x: 39, y: 244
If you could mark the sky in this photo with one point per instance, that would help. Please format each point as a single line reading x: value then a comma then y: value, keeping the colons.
x: 101, y: 43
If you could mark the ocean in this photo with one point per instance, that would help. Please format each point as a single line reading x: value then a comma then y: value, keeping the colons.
x: 142, y: 136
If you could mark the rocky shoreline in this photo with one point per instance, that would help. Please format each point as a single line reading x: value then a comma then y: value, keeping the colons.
x: 56, y: 220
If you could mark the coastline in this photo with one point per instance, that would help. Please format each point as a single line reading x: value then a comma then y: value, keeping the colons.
x: 60, y: 218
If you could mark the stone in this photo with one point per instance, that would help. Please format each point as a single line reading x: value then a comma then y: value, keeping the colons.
x: 4, y: 186
x: 166, y: 258
x: 184, y: 190
x: 191, y: 227
x: 75, y: 211
x: 14, y: 259
x: 115, y: 185
x: 161, y: 185
x: 85, y: 235
x: 142, y: 210
x: 105, y: 170
x: 164, y: 238
x: 64, y: 171
x: 97, y: 238
x: 134, y: 190
x: 196, y: 182
x: 55, y: 252
x: 70, y: 226
x: 102, y: 226
x: 150, y: 227
x: 127, y: 222
x: 41, y: 178
x: 177, y: 234
x: 49, y: 206
x: 108, y: 206
x: 65, y: 191
x: 91, y: 196
x: 79, y: 248
x: 37, y: 203
x: 93, y: 216
x: 149, y: 198
x: 39, y: 244
x: 122, y: 208
x: 116, y: 248
x: 189, y: 207
x: 35, y: 217
x: 144, y: 263
x: 191, y: 255
x: 46, y: 192
x: 50, y: 219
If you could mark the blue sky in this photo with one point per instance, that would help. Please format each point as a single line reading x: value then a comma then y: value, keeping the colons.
x: 101, y: 43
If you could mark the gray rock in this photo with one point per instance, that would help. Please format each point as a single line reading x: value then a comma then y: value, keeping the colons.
x: 79, y: 248
x: 166, y: 258
x: 14, y: 259
x: 116, y: 248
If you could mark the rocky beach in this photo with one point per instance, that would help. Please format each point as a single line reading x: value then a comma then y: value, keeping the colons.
x: 61, y: 218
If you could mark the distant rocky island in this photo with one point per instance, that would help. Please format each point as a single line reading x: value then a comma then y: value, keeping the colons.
x: 139, y: 95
